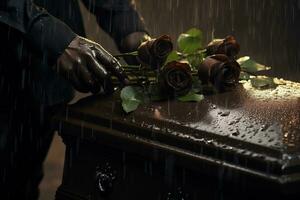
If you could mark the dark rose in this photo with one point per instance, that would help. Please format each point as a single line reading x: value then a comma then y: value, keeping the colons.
x: 154, y: 52
x: 227, y: 46
x: 175, y: 78
x: 219, y: 70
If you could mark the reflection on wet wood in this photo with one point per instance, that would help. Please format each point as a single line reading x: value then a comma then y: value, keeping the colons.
x: 249, y: 131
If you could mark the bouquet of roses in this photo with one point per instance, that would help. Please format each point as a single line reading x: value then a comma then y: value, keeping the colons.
x: 185, y: 74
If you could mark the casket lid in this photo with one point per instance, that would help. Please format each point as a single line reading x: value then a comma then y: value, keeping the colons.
x: 257, y: 131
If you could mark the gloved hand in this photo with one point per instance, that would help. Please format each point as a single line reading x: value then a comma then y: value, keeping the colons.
x: 131, y: 43
x: 88, y: 66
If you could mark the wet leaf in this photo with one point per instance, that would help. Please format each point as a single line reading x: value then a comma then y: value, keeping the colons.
x: 130, y: 105
x: 244, y: 76
x: 197, y: 85
x: 195, y: 60
x: 131, y: 98
x: 191, y: 41
x: 173, y: 56
x: 216, y: 40
x: 263, y: 82
x: 191, y: 97
x: 249, y: 65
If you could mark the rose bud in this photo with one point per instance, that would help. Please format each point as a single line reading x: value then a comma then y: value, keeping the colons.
x: 219, y: 70
x: 175, y: 78
x: 154, y: 52
x: 227, y: 46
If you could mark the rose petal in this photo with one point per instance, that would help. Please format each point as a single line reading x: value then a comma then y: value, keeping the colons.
x: 176, y: 78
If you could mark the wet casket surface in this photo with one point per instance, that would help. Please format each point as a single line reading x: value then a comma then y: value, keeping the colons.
x: 240, y: 144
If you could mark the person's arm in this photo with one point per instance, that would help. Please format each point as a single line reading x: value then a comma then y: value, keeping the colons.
x: 43, y: 32
x: 86, y: 64
x: 121, y: 21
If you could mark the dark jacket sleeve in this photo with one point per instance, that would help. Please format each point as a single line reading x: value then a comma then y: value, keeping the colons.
x: 43, y: 31
x: 118, y: 18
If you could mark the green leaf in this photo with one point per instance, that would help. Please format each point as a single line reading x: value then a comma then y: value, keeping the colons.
x: 249, y: 65
x: 216, y: 40
x: 173, y: 56
x: 195, y: 60
x: 131, y: 98
x: 194, y: 32
x: 191, y: 97
x: 263, y: 82
x: 191, y: 41
x: 244, y: 76
x: 130, y: 105
x: 127, y: 92
x: 197, y: 85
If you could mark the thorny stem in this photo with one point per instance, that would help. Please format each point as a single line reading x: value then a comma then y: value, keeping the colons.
x: 134, y: 53
x: 133, y: 81
x: 131, y: 66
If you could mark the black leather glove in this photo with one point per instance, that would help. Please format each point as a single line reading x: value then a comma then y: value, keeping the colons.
x: 88, y: 66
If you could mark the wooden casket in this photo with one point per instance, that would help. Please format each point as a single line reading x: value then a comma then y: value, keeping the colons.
x: 243, y: 144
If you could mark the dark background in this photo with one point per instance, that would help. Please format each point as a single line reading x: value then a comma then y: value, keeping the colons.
x: 268, y: 30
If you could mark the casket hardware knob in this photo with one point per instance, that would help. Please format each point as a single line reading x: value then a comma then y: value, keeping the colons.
x: 105, y: 178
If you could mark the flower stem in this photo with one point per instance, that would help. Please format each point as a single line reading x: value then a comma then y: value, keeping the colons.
x: 250, y: 73
x: 199, y: 52
x: 134, y: 53
x: 131, y: 66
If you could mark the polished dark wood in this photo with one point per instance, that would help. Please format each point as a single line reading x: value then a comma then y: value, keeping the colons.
x: 228, y: 144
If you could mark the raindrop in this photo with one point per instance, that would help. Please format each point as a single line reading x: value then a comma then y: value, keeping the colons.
x: 264, y: 127
x: 236, y: 133
x: 231, y: 123
x: 259, y: 141
x: 250, y: 126
x: 271, y: 140
x: 124, y: 164
x: 225, y: 114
